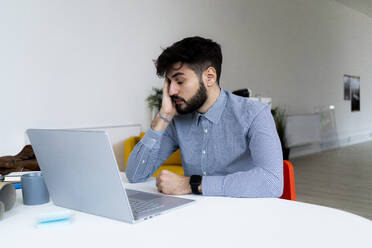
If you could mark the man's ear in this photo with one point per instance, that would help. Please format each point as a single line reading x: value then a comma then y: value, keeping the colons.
x: 210, y: 76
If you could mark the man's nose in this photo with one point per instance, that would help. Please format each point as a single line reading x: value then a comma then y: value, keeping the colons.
x: 173, y: 89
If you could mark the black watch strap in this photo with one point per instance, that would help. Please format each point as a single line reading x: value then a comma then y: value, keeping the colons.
x: 195, y: 181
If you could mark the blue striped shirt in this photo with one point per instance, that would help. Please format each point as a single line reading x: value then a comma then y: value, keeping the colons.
x: 234, y: 146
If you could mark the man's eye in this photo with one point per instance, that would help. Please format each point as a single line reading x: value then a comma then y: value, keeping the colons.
x: 179, y: 83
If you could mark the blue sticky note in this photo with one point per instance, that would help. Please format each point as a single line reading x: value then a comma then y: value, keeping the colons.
x: 54, y: 218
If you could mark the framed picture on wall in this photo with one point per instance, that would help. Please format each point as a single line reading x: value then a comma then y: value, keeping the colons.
x: 355, y: 93
x: 347, y: 82
x: 352, y: 91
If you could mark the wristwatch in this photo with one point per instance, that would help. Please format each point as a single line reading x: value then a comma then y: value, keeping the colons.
x: 195, y: 181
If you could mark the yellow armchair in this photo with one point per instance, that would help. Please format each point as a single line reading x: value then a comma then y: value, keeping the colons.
x: 173, y: 163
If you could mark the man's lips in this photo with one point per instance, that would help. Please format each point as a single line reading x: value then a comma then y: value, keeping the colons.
x: 178, y: 101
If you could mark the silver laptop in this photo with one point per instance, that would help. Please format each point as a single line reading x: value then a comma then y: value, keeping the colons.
x: 81, y: 173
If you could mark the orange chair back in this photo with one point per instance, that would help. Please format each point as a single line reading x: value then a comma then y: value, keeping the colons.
x: 289, y: 190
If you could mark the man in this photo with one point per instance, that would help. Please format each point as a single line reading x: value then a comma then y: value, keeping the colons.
x: 229, y: 144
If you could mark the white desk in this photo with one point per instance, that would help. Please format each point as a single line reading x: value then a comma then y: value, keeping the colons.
x: 210, y: 222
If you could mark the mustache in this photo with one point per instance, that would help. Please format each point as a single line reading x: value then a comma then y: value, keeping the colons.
x: 175, y: 98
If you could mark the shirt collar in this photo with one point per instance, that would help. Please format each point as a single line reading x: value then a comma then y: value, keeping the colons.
x: 215, y: 112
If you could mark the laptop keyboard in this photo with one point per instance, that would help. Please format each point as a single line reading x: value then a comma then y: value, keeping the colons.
x: 140, y: 206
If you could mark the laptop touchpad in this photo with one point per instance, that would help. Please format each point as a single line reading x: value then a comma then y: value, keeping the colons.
x: 142, y: 195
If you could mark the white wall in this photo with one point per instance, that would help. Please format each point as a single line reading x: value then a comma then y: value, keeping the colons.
x: 89, y: 63
x: 66, y: 64
x: 298, y: 51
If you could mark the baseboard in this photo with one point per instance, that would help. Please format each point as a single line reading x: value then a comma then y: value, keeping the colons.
x: 304, y: 150
x: 355, y: 139
x: 345, y: 140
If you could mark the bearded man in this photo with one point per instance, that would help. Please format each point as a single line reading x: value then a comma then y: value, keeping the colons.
x: 229, y: 144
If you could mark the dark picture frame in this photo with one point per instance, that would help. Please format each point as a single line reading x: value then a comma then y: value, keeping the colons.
x: 347, y: 83
x: 355, y: 94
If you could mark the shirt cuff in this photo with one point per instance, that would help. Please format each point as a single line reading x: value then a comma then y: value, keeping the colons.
x: 213, y: 185
x: 151, y: 138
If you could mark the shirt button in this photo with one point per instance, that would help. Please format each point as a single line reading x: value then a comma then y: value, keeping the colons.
x: 203, y: 151
x: 204, y: 173
x: 143, y: 161
x: 205, y: 130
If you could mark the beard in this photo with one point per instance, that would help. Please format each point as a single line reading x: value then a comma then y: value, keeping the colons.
x: 195, y: 102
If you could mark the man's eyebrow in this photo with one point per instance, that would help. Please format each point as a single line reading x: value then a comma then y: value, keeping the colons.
x: 176, y: 74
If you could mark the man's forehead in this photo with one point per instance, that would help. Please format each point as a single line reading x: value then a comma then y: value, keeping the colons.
x: 177, y: 69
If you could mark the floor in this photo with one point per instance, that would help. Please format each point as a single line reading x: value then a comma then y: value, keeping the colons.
x: 340, y: 178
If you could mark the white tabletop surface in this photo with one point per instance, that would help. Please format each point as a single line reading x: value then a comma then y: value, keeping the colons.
x: 210, y: 222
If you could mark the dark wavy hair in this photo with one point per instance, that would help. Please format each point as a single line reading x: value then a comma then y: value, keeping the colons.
x: 197, y: 52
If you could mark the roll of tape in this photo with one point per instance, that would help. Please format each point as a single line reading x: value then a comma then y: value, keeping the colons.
x: 7, y: 195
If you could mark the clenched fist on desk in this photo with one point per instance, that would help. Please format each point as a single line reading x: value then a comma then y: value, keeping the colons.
x: 172, y: 184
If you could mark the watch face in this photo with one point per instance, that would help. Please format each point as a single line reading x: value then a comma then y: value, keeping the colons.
x: 195, y: 181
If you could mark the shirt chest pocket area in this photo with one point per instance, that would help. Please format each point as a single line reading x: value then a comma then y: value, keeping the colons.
x: 226, y: 151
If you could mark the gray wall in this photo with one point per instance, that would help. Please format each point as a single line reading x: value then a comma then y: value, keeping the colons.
x: 67, y: 64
